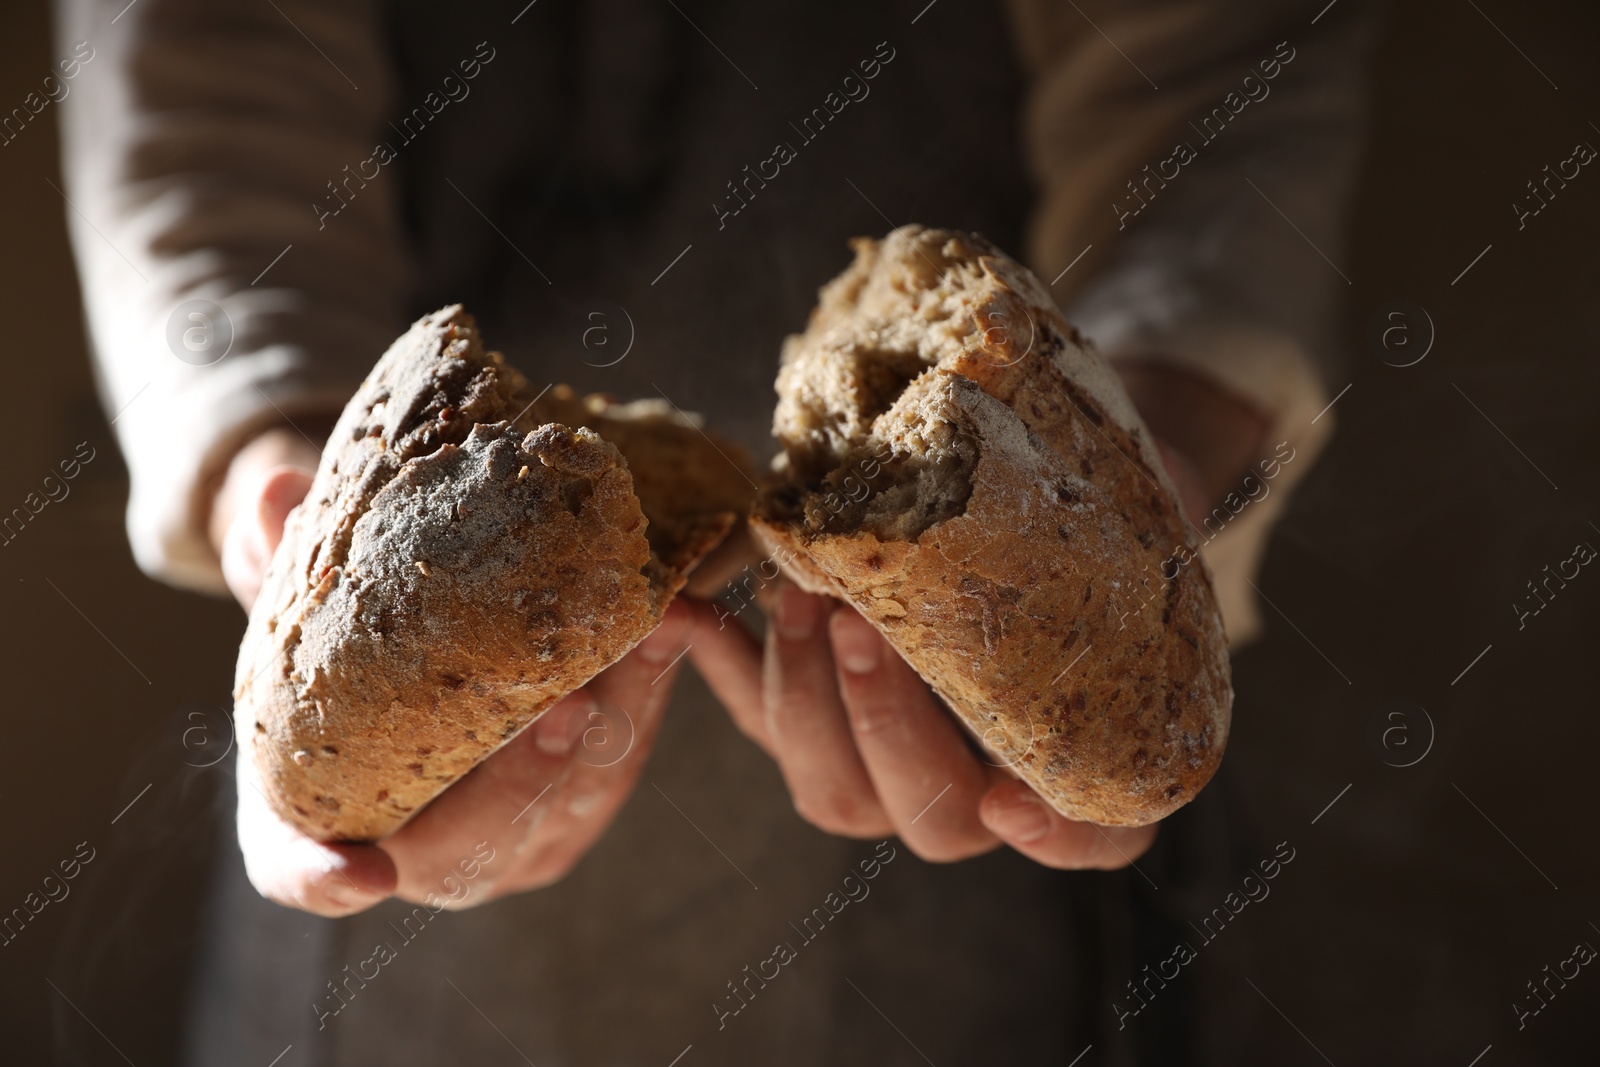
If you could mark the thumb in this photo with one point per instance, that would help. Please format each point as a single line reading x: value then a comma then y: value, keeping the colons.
x: 291, y: 869
x: 257, y: 529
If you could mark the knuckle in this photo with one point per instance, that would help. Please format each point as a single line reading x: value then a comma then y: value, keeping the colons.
x: 581, y: 804
x: 869, y: 717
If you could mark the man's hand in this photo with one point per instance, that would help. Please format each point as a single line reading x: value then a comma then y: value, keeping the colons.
x: 864, y: 746
x: 1208, y: 437
x: 867, y: 751
x: 267, y: 478
x: 519, y: 820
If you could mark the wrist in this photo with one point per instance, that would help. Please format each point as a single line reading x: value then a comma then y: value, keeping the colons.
x: 1216, y: 434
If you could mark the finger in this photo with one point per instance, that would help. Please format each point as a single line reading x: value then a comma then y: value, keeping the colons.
x: 925, y: 773
x: 1016, y: 815
x: 728, y: 657
x: 585, y: 802
x: 289, y: 868
x: 611, y: 742
x: 560, y: 730
x: 723, y: 564
x: 807, y: 724
x: 456, y: 847
x: 478, y: 831
x: 653, y: 663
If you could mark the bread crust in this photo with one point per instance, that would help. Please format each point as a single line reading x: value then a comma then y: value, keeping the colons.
x: 1016, y: 538
x: 455, y: 569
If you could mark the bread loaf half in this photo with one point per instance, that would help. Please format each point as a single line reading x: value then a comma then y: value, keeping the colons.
x: 467, y: 555
x: 967, y: 473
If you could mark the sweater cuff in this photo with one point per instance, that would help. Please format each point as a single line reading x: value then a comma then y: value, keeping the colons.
x: 180, y: 439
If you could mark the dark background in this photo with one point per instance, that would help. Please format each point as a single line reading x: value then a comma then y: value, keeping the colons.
x: 1418, y: 905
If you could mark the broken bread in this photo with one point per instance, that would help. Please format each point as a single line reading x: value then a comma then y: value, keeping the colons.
x: 469, y: 553
x: 967, y: 473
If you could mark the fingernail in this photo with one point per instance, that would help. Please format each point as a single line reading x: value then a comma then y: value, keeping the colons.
x: 856, y: 645
x: 553, y: 740
x: 1024, y: 821
x: 557, y: 731
x: 667, y: 640
x: 798, y: 612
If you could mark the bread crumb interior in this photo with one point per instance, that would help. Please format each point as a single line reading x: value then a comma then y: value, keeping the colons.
x: 873, y: 438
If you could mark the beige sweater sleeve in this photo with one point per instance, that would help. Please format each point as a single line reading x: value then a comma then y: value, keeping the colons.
x: 1198, y: 155
x: 195, y: 143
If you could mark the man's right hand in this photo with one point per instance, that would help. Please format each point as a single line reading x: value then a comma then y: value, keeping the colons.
x: 519, y: 820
